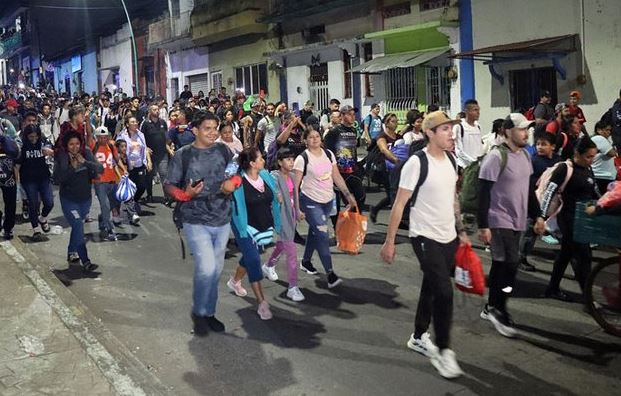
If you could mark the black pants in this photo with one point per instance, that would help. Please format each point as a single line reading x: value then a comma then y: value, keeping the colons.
x: 9, y: 196
x: 160, y: 166
x: 139, y: 177
x: 505, y: 259
x: 437, y: 261
x: 580, y: 252
x: 387, y: 200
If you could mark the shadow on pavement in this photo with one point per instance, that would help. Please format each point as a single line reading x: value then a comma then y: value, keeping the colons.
x: 74, y: 272
x: 378, y: 238
x: 94, y: 237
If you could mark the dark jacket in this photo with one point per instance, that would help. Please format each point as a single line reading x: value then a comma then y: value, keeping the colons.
x: 75, y: 184
x: 613, y: 116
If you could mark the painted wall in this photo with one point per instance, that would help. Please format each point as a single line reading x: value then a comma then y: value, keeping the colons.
x: 561, y: 17
x: 116, y: 52
x: 89, y: 72
x: 186, y: 63
x: 63, y: 69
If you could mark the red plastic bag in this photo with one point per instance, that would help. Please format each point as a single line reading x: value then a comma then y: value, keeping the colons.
x: 618, y: 166
x: 612, y: 198
x: 351, y: 229
x: 469, y: 276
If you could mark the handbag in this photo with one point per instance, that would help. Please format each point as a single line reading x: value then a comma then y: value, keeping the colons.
x: 351, y: 230
x: 469, y: 276
x: 125, y: 190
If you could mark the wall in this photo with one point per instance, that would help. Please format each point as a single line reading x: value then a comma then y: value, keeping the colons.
x: 63, y: 69
x: 89, y: 72
x: 116, y: 52
x: 561, y: 17
x: 183, y: 64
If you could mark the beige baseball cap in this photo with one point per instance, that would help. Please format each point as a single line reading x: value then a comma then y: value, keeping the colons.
x: 437, y: 118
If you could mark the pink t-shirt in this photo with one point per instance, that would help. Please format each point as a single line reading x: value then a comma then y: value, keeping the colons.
x: 317, y: 184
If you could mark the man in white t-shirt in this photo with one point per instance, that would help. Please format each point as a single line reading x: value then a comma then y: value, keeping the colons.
x: 468, y: 140
x: 435, y: 232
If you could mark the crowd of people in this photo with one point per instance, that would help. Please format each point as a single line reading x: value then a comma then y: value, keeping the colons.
x: 218, y: 156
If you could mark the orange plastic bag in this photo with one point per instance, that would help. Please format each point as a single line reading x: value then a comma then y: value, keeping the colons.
x: 469, y: 276
x: 351, y: 229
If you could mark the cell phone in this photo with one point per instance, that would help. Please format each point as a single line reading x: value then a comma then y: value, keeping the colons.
x: 196, y: 182
x: 296, y: 109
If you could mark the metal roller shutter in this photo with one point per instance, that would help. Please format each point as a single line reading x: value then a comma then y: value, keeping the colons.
x: 199, y: 82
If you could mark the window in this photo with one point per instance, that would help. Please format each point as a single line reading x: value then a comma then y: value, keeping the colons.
x: 401, y: 84
x: 426, y: 5
x: 396, y: 10
x: 251, y: 79
x: 347, y: 77
x: 526, y: 86
x: 438, y: 90
x: 216, y: 80
x: 368, y: 85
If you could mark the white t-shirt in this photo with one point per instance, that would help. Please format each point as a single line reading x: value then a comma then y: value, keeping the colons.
x: 603, y: 165
x: 317, y: 184
x: 432, y: 215
x: 470, y: 147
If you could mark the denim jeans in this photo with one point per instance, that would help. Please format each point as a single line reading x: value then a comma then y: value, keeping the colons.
x: 207, y: 246
x: 251, y: 256
x: 35, y: 190
x: 75, y: 213
x: 160, y: 166
x: 317, y: 215
x: 107, y: 199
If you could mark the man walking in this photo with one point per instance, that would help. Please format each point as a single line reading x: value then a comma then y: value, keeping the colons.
x: 372, y: 124
x: 429, y: 178
x: 468, y: 142
x: 506, y: 200
x: 154, y: 130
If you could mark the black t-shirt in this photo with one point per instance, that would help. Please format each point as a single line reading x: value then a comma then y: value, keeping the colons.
x: 581, y: 186
x: 342, y: 141
x: 260, y: 216
x: 34, y: 167
x: 295, y: 143
x: 155, y: 136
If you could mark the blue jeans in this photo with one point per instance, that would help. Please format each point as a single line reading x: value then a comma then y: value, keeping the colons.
x: 34, y: 190
x: 207, y: 246
x: 251, y: 256
x: 317, y: 216
x: 75, y: 213
x: 107, y: 199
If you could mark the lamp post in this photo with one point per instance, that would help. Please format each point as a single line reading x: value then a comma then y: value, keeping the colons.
x: 131, y: 34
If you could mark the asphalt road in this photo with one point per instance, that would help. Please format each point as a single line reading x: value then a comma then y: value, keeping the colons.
x: 346, y: 341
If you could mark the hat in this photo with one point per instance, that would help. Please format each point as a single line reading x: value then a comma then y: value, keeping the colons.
x: 348, y: 108
x: 575, y: 94
x: 437, y: 118
x: 545, y: 93
x: 11, y: 102
x: 102, y: 131
x: 519, y: 121
x: 309, y: 103
x: 559, y: 107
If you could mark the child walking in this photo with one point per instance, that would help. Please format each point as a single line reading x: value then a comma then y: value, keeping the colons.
x: 290, y: 214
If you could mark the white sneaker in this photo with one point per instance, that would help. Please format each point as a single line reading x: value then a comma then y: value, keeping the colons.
x: 295, y: 294
x: 423, y: 345
x: 135, y: 219
x: 264, y: 311
x: 446, y: 364
x: 485, y: 313
x: 236, y: 287
x: 269, y: 272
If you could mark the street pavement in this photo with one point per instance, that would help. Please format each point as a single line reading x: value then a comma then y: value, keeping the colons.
x: 349, y: 340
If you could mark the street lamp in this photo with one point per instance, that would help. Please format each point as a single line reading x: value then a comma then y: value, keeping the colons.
x: 131, y: 34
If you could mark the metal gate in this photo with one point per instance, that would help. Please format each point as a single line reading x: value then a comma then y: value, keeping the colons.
x: 319, y: 86
x: 401, y: 91
x: 199, y: 82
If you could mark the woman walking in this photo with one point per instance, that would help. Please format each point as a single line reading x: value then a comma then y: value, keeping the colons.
x: 74, y: 168
x: 316, y: 174
x: 254, y: 228
x: 385, y: 141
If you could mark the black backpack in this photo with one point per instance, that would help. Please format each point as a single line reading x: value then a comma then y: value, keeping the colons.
x: 304, y: 156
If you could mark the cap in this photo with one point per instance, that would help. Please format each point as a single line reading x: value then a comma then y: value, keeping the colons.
x: 309, y: 103
x: 437, y: 118
x: 348, y: 108
x: 559, y: 107
x: 575, y: 94
x: 520, y: 121
x: 11, y: 102
x: 102, y: 131
x: 545, y: 93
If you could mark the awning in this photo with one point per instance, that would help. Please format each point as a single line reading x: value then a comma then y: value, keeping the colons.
x: 401, y: 60
x: 559, y: 44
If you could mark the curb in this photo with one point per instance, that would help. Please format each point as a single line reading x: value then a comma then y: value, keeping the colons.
x: 125, y: 373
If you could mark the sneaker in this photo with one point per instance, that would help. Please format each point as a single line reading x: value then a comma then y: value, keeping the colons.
x: 37, y: 236
x: 25, y: 214
x: 502, y: 323
x: 295, y: 294
x: 117, y: 220
x: 423, y: 345
x: 111, y: 236
x: 7, y: 235
x: 526, y: 266
x: 135, y: 220
x: 88, y: 219
x: 200, y: 325
x: 44, y: 225
x: 333, y: 280
x: 73, y: 257
x: 485, y: 312
x: 550, y: 240
x: 214, y: 324
x: 269, y: 272
x: 89, y: 267
x: 307, y: 267
x: 446, y: 364
x: 236, y: 287
x: 264, y: 311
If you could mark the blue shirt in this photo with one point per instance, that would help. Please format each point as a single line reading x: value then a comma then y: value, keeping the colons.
x: 180, y: 138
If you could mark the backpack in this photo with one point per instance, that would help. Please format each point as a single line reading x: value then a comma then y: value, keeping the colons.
x: 272, y: 155
x: 395, y: 173
x: 375, y: 164
x: 556, y: 202
x: 469, y: 194
x: 462, y: 132
x: 304, y: 156
x: 530, y: 113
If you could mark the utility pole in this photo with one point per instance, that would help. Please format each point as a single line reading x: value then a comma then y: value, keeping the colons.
x: 131, y: 34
